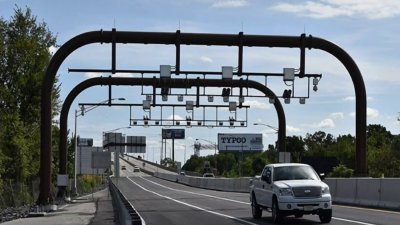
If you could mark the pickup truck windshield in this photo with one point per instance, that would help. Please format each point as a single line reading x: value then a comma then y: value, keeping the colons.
x: 294, y: 173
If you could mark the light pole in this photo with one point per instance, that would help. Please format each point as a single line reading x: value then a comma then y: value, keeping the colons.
x: 82, y: 112
x: 215, y: 152
x: 269, y: 126
x: 285, y: 156
x: 119, y: 128
x: 263, y: 124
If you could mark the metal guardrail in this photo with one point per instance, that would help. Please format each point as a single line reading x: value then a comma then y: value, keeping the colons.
x: 126, y: 213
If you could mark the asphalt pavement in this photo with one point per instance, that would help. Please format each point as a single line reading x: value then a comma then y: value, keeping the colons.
x: 93, y: 209
x: 164, y: 202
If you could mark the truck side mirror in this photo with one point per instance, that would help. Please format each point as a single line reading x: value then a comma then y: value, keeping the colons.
x: 322, y: 176
x: 266, y: 177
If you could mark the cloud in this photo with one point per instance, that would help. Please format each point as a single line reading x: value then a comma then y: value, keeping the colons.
x: 336, y: 115
x: 123, y: 75
x: 353, y: 98
x: 329, y: 122
x: 206, y: 59
x: 89, y: 75
x: 254, y: 104
x: 229, y: 3
x: 371, y: 113
x: 293, y: 129
x: 175, y: 117
x: 349, y: 98
x: 370, y: 9
x: 326, y: 123
x: 52, y: 49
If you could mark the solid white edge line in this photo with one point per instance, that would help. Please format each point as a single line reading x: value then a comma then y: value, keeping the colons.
x: 192, y: 206
x: 352, y: 221
x: 141, y: 218
x: 367, y: 209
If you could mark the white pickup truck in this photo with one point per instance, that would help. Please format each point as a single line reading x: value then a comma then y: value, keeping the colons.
x: 290, y: 189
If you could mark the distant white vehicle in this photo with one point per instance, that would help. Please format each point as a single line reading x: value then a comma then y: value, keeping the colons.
x: 208, y: 175
x: 136, y: 169
x: 290, y: 189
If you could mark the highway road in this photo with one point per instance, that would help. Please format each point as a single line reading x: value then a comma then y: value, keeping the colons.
x: 163, y: 202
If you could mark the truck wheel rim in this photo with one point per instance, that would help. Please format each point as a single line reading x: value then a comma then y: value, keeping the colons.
x: 274, y: 211
x: 253, y: 206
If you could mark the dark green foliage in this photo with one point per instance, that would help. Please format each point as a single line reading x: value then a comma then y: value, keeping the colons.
x: 295, y: 145
x: 168, y: 162
x: 24, y: 55
x: 341, y: 171
x: 383, y: 154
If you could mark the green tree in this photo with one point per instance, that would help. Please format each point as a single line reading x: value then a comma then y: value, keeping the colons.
x: 317, y: 144
x: 341, y: 171
x: 344, y: 150
x: 168, y: 162
x: 271, y: 154
x: 24, y: 55
x: 194, y: 164
x: 258, y: 163
x: 295, y: 145
x: 226, y: 162
x: 378, y: 136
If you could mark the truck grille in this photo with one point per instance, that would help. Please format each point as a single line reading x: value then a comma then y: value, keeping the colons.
x: 307, y: 192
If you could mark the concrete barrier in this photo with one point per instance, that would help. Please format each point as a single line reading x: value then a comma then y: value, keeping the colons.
x: 345, y: 191
x: 390, y: 197
x: 221, y: 184
x: 369, y: 192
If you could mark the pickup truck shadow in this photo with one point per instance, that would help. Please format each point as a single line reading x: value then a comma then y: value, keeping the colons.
x: 267, y: 220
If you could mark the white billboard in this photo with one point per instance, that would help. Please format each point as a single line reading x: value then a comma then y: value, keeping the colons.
x: 240, y: 142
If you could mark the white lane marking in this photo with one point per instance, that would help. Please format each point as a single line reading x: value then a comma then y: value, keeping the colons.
x: 194, y: 193
x: 192, y: 206
x: 366, y: 209
x: 352, y: 221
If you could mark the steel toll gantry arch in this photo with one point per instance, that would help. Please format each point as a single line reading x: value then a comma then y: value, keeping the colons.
x: 240, y: 40
x: 159, y: 83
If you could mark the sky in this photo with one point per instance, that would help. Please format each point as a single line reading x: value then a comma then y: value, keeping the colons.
x: 367, y: 30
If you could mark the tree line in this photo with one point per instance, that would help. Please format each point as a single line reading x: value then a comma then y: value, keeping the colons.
x: 24, y: 56
x: 383, y: 154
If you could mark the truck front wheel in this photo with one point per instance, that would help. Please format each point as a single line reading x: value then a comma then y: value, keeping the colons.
x: 325, y: 216
x: 255, y: 208
x: 276, y: 213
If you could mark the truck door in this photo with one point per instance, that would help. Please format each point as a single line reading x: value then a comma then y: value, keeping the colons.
x: 268, y: 189
x: 265, y: 188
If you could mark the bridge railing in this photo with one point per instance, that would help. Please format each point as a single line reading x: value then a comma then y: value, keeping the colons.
x: 126, y: 212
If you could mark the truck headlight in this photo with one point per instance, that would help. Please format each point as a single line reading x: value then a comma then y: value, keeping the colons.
x: 285, y: 192
x: 325, y: 190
